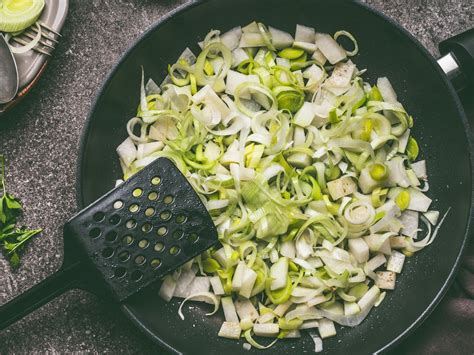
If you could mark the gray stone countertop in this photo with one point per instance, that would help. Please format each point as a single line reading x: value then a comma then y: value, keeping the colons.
x: 41, y: 141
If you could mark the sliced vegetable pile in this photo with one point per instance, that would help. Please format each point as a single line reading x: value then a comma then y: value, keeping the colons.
x: 308, y: 171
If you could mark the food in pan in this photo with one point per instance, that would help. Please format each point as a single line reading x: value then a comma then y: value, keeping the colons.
x: 309, y: 172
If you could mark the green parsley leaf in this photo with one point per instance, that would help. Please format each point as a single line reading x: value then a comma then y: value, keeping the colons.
x: 12, y: 238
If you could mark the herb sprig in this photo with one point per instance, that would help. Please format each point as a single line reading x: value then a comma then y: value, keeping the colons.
x: 12, y: 238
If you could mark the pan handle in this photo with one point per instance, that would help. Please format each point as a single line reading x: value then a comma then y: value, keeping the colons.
x: 458, y: 59
x: 40, y: 294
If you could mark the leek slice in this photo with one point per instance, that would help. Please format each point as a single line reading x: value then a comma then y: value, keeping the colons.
x: 17, y: 15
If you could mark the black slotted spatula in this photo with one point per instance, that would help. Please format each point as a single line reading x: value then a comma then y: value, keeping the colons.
x: 126, y: 240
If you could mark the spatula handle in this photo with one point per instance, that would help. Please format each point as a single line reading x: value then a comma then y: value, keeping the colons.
x: 40, y: 294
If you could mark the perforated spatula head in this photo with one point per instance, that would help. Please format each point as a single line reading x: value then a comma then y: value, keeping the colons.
x: 143, y: 229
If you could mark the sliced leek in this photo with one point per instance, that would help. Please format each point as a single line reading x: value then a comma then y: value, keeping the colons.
x: 309, y: 174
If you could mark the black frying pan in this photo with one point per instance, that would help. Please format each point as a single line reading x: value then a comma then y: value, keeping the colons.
x: 386, y: 50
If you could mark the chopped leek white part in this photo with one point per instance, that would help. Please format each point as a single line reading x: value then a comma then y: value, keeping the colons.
x: 305, y: 115
x: 231, y: 38
x: 341, y: 76
x: 418, y: 201
x: 238, y: 56
x: 127, y: 152
x: 234, y: 79
x: 281, y: 309
x: 380, y: 299
x: 200, y: 284
x: 432, y: 216
x: 305, y: 34
x: 386, y: 89
x: 230, y: 313
x: 252, y: 27
x: 238, y: 278
x: 307, y: 47
x: 245, y: 309
x: 386, y: 280
x: 410, y: 220
x: 278, y: 274
x: 341, y: 187
x: 217, y: 285
x: 395, y: 262
x: 369, y: 299
x: 248, y: 280
x: 291, y: 334
x: 326, y: 328
x: 359, y: 249
x: 183, y: 282
x: 318, y: 343
x: 230, y: 330
x: 303, y: 312
x: 330, y: 48
x: 266, y: 329
x: 420, y: 169
x: 319, y: 57
x: 280, y: 39
x: 351, y: 308
x: 309, y: 324
x: 167, y: 288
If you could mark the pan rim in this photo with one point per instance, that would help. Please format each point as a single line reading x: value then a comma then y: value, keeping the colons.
x: 450, y: 91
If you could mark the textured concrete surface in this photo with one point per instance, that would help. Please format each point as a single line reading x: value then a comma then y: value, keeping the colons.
x: 40, y: 140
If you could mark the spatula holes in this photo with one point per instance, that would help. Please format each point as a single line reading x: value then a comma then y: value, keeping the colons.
x: 143, y: 243
x: 111, y: 236
x: 127, y: 240
x: 168, y: 199
x: 94, y: 233
x: 124, y: 256
x: 165, y: 215
x: 193, y: 238
x: 156, y: 180
x: 137, y: 275
x: 107, y: 252
x: 134, y: 208
x: 137, y: 192
x: 114, y: 219
x: 152, y: 196
x: 162, y: 231
x: 159, y: 247
x: 150, y: 211
x: 118, y: 204
x: 98, y: 216
x: 147, y: 227
x: 140, y: 260
x: 120, y: 272
x: 178, y: 234
x: 181, y: 218
x: 174, y: 250
x: 131, y: 223
x: 155, y: 263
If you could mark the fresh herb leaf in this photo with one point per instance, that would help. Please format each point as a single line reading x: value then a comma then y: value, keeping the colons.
x: 15, y: 260
x: 12, y: 238
x: 12, y: 202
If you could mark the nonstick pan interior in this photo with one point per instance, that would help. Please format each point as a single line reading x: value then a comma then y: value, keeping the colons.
x: 385, y: 50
